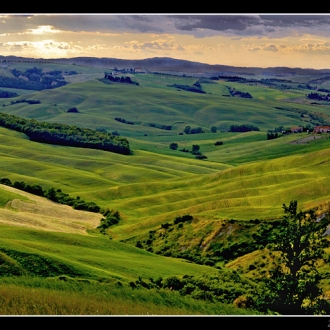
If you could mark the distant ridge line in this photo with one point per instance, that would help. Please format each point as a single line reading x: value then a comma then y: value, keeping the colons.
x: 166, y: 64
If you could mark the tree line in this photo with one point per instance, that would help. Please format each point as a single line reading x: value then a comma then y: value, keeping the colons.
x: 23, y: 101
x: 7, y: 94
x: 318, y: 96
x: 196, y: 88
x: 67, y: 135
x: 243, y: 128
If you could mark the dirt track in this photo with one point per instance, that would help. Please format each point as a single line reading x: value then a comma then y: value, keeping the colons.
x: 306, y: 139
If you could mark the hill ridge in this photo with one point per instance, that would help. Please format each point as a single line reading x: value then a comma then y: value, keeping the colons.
x: 163, y: 64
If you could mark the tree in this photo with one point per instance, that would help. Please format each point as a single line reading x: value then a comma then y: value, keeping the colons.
x: 195, y: 149
x: 292, y: 287
x: 51, y: 194
x: 213, y: 129
x: 174, y: 146
x: 74, y: 109
x: 187, y: 129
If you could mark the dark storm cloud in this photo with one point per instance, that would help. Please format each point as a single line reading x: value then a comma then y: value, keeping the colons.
x: 215, y: 22
x: 296, y: 20
x: 252, y: 25
x: 191, y: 24
x: 141, y: 23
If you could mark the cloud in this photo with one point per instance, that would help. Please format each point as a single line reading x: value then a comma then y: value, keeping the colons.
x: 42, y: 29
x: 271, y: 48
x: 45, y: 48
x: 272, y: 26
x: 215, y: 22
x: 191, y: 24
x: 210, y: 38
x: 314, y: 48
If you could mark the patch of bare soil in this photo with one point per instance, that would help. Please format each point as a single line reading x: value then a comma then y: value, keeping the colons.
x: 305, y: 140
x: 40, y: 213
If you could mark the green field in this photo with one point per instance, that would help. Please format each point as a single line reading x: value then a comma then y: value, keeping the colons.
x: 247, y: 177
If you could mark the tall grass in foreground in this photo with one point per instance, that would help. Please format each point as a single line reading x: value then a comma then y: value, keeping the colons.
x: 36, y: 296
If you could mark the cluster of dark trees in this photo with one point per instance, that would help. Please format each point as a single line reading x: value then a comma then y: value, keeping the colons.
x: 230, y: 78
x: 196, y: 88
x: 111, y: 218
x: 6, y: 94
x: 325, y: 90
x: 24, y: 101
x: 234, y: 92
x: 184, y: 218
x: 318, y: 96
x: 33, y: 79
x: 160, y: 126
x: 195, y: 150
x: 122, y: 79
x: 67, y: 135
x: 122, y: 120
x: 272, y: 135
x: 243, y: 128
x: 196, y: 130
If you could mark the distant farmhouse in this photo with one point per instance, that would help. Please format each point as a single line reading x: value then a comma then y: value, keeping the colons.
x: 297, y: 129
x: 321, y: 129
x: 139, y: 70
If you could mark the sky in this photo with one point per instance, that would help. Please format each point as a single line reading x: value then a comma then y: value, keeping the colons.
x: 242, y: 40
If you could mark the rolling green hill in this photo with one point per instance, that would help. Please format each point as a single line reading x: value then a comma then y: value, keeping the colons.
x: 245, y: 178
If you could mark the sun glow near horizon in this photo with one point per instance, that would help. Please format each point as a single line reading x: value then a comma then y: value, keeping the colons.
x: 237, y: 40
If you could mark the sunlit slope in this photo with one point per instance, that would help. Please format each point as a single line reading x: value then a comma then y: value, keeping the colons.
x: 75, y: 169
x: 149, y: 189
x: 22, y: 209
x: 154, y: 103
x: 253, y: 191
x: 89, y: 256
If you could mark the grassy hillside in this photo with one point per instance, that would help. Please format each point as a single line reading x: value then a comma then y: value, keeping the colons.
x: 157, y: 103
x: 245, y: 178
x: 157, y: 188
x: 54, y: 297
x: 93, y: 257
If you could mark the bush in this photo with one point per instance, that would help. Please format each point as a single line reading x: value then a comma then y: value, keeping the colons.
x: 200, y: 156
x: 74, y: 109
x: 184, y: 218
x: 6, y: 182
x: 174, y: 146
